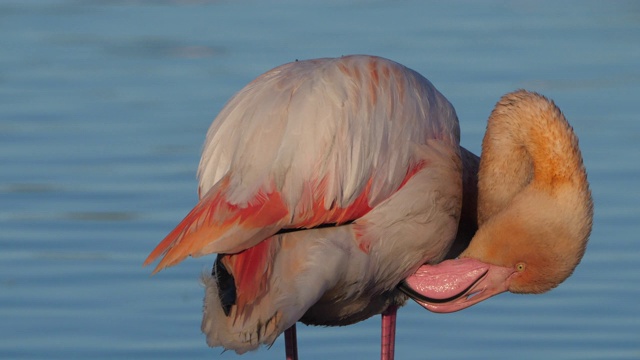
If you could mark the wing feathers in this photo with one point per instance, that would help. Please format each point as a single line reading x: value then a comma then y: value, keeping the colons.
x: 248, y: 269
x: 310, y: 142
x: 216, y: 225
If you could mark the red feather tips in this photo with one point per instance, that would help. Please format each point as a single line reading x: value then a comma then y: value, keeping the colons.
x: 249, y: 268
x: 211, y: 219
x: 215, y: 225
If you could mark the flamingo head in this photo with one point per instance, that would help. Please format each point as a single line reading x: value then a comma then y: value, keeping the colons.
x: 534, y: 211
x: 531, y: 247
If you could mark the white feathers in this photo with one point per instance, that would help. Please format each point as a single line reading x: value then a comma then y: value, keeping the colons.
x: 340, y: 124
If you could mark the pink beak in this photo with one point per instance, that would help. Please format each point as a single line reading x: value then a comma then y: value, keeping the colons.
x: 456, y: 284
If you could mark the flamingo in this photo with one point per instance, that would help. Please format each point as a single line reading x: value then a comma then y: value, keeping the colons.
x: 332, y: 190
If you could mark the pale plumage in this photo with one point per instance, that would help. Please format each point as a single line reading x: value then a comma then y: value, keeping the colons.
x: 325, y: 183
x: 305, y: 141
x: 359, y: 141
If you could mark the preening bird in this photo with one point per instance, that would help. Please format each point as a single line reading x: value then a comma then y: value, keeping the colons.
x: 332, y: 190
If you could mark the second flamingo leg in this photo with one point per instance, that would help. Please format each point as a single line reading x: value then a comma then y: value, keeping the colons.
x: 388, y: 340
x: 291, y: 343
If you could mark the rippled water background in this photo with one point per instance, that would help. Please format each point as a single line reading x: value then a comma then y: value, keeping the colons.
x: 103, y: 110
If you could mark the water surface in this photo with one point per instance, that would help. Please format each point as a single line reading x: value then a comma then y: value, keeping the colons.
x: 103, y: 110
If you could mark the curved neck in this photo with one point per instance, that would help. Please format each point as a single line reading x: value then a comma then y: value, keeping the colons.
x: 528, y: 142
x: 534, y: 205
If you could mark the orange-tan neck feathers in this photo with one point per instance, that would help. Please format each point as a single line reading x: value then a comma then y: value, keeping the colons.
x: 534, y: 204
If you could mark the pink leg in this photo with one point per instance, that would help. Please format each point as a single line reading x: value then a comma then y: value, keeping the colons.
x: 388, y: 333
x: 291, y: 343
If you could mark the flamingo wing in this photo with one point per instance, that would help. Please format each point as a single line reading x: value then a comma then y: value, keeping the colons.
x: 308, y: 143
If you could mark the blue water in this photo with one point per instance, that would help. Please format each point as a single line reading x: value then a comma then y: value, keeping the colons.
x: 103, y: 110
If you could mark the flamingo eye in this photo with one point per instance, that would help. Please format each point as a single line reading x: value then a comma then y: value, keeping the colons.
x: 520, y: 267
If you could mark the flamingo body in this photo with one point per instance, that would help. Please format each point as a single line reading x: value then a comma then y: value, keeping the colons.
x: 359, y: 143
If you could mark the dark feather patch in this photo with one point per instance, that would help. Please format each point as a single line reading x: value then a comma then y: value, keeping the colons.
x: 226, y: 285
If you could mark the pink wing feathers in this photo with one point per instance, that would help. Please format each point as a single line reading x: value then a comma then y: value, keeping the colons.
x: 307, y: 143
x: 215, y: 218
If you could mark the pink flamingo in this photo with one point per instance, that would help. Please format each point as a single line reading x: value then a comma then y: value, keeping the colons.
x: 333, y: 188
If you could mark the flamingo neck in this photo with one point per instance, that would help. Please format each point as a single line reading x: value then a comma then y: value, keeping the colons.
x: 534, y: 205
x: 528, y: 142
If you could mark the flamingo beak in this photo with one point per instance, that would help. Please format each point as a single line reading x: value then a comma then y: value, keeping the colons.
x: 456, y: 284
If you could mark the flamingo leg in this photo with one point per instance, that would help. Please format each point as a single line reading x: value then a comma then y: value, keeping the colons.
x: 291, y: 343
x: 388, y: 333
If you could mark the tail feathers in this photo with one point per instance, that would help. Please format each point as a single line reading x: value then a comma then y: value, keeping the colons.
x: 238, y: 332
